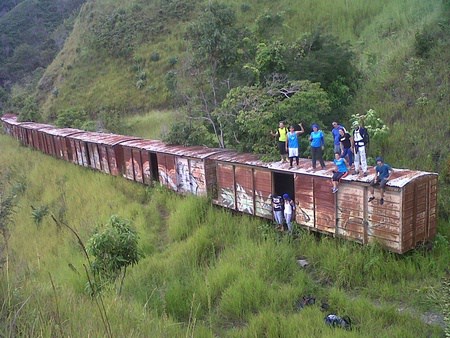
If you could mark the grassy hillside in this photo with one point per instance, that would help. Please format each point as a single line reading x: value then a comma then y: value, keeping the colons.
x: 206, y: 272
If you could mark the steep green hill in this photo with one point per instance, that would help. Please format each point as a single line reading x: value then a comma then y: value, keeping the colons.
x: 31, y: 34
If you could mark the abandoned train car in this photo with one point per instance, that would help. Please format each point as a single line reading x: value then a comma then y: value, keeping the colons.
x: 243, y: 183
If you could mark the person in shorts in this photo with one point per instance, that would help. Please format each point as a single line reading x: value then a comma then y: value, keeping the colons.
x: 292, y: 144
x: 383, y: 171
x: 340, y: 172
x: 281, y: 133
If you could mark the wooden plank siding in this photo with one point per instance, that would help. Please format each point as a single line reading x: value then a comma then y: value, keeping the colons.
x: 262, y: 183
x: 350, y: 216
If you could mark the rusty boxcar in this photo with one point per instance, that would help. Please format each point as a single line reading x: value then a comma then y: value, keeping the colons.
x: 182, y: 169
x: 244, y: 183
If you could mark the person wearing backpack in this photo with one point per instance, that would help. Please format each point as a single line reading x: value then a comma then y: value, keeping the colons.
x: 281, y: 133
x: 360, y: 141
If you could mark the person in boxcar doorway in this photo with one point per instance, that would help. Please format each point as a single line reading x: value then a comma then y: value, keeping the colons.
x: 292, y: 144
x: 281, y: 133
x: 346, y: 144
x: 360, y: 141
x: 336, y: 136
x: 289, y: 208
x: 340, y: 172
x: 317, y: 146
x: 277, y: 207
x: 382, y: 173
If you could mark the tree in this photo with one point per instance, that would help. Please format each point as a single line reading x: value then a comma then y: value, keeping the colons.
x: 377, y: 129
x: 114, y: 249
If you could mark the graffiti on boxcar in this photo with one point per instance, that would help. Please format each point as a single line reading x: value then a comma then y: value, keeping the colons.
x: 166, y: 177
x: 227, y: 198
x: 190, y: 179
x: 264, y: 203
x: 245, y: 201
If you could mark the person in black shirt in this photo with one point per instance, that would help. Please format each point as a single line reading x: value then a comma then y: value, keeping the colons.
x: 346, y: 146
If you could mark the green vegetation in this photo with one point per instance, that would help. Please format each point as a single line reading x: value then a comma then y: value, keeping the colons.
x: 205, y: 272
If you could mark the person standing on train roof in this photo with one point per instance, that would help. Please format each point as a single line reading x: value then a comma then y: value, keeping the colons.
x: 346, y: 144
x: 360, y: 141
x: 281, y: 133
x: 292, y: 144
x: 340, y: 172
x: 382, y: 173
x: 289, y: 208
x: 336, y: 136
x: 277, y: 207
x: 317, y: 146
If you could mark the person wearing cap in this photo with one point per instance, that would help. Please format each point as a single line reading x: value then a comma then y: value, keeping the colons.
x: 277, y: 207
x: 281, y: 133
x: 340, y: 172
x: 317, y: 145
x: 383, y: 171
x: 289, y: 207
x: 292, y: 145
x: 360, y: 141
x: 336, y: 136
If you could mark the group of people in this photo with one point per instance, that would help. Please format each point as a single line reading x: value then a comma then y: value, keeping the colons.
x: 283, y: 210
x: 348, y: 149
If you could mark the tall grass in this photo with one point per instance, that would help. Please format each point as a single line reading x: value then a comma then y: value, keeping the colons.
x: 206, y: 272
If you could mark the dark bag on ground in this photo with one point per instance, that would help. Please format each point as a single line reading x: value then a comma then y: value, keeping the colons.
x: 336, y: 321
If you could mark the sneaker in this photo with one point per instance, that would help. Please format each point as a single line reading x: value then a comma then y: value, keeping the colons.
x: 356, y: 172
x: 290, y: 167
x: 365, y: 174
x: 371, y: 198
x: 381, y: 201
x: 334, y: 190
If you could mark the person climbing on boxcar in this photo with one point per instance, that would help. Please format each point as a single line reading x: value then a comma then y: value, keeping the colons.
x: 340, y: 172
x: 360, y: 141
x: 382, y: 173
x: 336, y: 136
x: 346, y: 144
x: 317, y: 146
x: 292, y: 144
x: 289, y: 208
x: 281, y: 133
x: 277, y: 207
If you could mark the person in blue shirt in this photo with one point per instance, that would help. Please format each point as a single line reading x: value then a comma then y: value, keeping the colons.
x: 317, y: 146
x: 340, y: 172
x: 292, y: 145
x: 336, y: 136
x: 383, y: 171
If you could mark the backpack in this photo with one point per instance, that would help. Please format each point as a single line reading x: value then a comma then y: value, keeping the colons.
x: 336, y: 321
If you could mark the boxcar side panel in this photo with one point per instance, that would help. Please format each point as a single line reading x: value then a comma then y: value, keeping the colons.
x: 244, y: 189
x: 137, y: 166
x: 263, y: 188
x: 114, y: 161
x: 225, y: 186
x: 146, y: 172
x: 304, y: 196
x: 167, y: 172
x: 350, y: 211
x: 103, y: 154
x: 432, y: 206
x: 197, y: 176
x: 384, y: 221
x: 183, y: 180
x: 128, y: 170
x: 324, y: 200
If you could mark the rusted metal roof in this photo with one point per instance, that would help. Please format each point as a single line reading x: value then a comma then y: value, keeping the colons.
x: 399, y: 178
x: 36, y: 126
x: 63, y: 132
x: 160, y: 147
x: 102, y: 138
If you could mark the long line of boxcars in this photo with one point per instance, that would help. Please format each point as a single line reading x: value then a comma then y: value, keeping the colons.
x: 243, y: 183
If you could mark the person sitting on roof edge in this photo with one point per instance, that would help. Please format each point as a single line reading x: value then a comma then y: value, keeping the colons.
x: 340, y: 172
x: 292, y: 144
x: 383, y: 171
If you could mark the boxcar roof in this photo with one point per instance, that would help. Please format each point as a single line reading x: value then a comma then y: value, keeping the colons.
x: 160, y: 147
x: 63, y: 132
x: 36, y: 126
x: 101, y: 138
x: 398, y: 179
